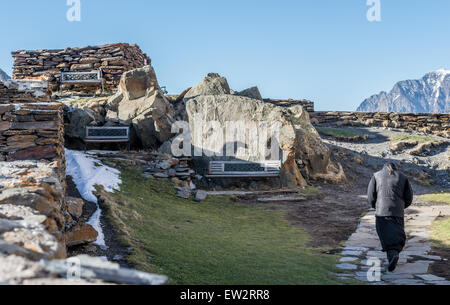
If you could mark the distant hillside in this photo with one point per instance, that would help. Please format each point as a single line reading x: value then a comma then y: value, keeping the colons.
x: 431, y: 94
x: 3, y: 75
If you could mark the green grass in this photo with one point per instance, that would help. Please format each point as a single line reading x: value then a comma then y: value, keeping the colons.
x: 441, y: 233
x: 437, y: 197
x: 412, y: 138
x: 441, y: 228
x: 214, y: 242
x: 339, y: 132
x: 310, y: 190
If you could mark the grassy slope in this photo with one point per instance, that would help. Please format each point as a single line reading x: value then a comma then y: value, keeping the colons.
x: 441, y: 228
x: 215, y: 242
x: 407, y: 137
x: 438, y: 197
x: 339, y: 132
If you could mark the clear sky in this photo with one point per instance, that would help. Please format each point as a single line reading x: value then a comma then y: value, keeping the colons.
x: 323, y: 50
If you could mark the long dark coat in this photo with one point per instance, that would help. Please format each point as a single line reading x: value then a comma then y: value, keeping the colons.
x: 390, y: 194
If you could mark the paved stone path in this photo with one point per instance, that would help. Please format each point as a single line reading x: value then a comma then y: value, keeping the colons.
x: 413, y: 267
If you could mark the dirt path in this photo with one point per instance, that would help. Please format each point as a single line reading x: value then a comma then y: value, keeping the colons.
x: 415, y: 260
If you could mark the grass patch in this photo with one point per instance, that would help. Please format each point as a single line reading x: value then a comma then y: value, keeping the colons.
x: 216, y: 242
x: 412, y: 138
x: 441, y: 233
x: 310, y: 190
x: 340, y: 132
x: 437, y: 197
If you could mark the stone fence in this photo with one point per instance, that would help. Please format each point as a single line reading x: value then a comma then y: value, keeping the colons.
x: 307, y: 105
x: 112, y: 59
x: 21, y: 91
x: 33, y: 131
x: 435, y: 124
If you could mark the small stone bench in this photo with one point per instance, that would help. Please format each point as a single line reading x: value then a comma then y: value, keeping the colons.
x: 84, y: 78
x: 242, y: 169
x: 81, y: 77
x: 107, y: 135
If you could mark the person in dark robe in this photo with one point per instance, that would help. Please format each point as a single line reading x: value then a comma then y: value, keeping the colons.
x: 390, y: 193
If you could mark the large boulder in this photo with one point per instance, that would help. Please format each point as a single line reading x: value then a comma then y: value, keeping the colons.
x: 298, y: 138
x: 252, y: 92
x: 141, y: 104
x: 212, y: 84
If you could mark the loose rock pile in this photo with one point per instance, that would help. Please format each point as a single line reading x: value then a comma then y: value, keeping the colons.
x: 112, y: 59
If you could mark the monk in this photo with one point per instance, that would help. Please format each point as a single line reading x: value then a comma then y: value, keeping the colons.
x: 390, y: 193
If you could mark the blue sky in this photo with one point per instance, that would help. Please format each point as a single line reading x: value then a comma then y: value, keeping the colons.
x: 323, y: 50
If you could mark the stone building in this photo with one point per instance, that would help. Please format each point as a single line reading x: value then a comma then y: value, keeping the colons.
x: 84, y: 70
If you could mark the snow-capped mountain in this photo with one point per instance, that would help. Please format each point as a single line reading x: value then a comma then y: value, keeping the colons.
x: 3, y: 75
x: 431, y: 94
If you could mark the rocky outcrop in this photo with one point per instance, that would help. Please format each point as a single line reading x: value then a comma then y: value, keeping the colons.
x: 212, y: 84
x: 141, y: 104
x: 298, y: 140
x: 252, y: 92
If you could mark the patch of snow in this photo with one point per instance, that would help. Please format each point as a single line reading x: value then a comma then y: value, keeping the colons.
x: 87, y: 172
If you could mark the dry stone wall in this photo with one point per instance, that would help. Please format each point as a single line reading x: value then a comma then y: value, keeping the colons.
x: 307, y: 105
x: 436, y: 124
x: 112, y: 59
x: 19, y: 91
x: 32, y: 131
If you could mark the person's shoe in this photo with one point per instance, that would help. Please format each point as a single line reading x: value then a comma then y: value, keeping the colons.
x: 393, y: 257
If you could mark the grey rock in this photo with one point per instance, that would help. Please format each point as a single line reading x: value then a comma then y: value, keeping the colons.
x: 184, y: 192
x: 252, y: 92
x: 298, y: 137
x: 12, y: 249
x: 347, y: 267
x: 212, y: 84
x: 429, y: 277
x: 95, y: 268
x: 9, y: 225
x: 200, y: 196
x: 78, y: 120
x: 161, y: 175
x: 348, y: 259
x: 14, y: 269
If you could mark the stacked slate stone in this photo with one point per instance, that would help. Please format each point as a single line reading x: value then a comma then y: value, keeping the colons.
x: 112, y: 59
x: 33, y: 131
x: 429, y: 123
x: 307, y: 105
x: 16, y: 91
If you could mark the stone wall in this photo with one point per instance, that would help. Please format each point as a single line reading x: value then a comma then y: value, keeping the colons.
x: 112, y: 59
x: 307, y: 105
x: 32, y: 131
x: 436, y: 124
x: 20, y: 91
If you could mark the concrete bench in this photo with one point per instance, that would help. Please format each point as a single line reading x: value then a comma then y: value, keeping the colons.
x: 107, y: 135
x: 237, y: 169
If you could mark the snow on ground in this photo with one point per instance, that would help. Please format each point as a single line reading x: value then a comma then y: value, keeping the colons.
x: 87, y: 172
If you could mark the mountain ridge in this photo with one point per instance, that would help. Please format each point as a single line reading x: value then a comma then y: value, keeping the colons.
x: 4, y: 76
x: 430, y: 94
